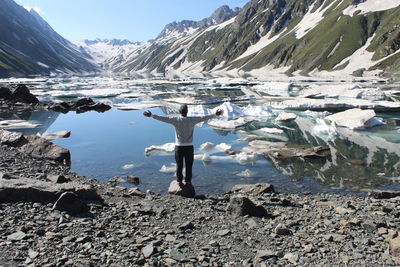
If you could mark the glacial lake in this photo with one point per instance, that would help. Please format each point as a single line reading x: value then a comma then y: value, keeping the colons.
x: 105, y: 145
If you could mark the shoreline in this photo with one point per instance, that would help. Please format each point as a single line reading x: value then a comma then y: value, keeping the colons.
x: 142, y: 228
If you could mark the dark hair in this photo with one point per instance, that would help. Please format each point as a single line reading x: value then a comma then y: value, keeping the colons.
x: 183, y: 109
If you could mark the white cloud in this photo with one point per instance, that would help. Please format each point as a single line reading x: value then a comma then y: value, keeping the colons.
x: 37, y: 9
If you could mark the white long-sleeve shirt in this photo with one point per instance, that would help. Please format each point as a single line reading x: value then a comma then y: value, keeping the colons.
x: 183, y: 127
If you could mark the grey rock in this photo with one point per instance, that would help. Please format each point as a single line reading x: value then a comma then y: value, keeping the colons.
x: 251, y: 223
x: 58, y: 179
x: 242, y: 206
x: 256, y: 189
x: 32, y: 254
x: 17, y: 236
x: 31, y: 190
x: 186, y: 226
x: 133, y: 180
x: 184, y: 190
x: 41, y: 148
x: 176, y: 255
x: 20, y: 93
x: 223, y: 232
x: 148, y: 250
x: 385, y: 194
x: 71, y: 203
x: 281, y: 229
x: 265, y: 254
x: 11, y: 138
x: 83, y: 239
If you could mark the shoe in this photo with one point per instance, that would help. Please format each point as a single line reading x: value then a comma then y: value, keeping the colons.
x: 179, y: 183
x: 188, y: 183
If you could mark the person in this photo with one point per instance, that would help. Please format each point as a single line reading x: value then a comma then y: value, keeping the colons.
x: 184, y: 127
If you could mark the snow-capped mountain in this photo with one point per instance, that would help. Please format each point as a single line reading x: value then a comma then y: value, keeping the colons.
x: 101, y: 50
x: 28, y: 45
x: 292, y: 36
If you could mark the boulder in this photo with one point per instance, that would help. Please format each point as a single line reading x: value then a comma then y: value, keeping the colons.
x: 58, y: 179
x: 20, y: 93
x: 80, y: 106
x: 299, y: 151
x: 356, y: 119
x: 394, y: 242
x: 133, y: 180
x: 11, y: 138
x: 255, y: 189
x: 385, y: 194
x: 184, y: 190
x: 5, y: 93
x: 71, y: 203
x: 242, y: 206
x: 41, y: 148
x: 31, y: 190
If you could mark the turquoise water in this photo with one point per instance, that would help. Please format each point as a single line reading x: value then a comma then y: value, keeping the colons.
x: 102, y: 143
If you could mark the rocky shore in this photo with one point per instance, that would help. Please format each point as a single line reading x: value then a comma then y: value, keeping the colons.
x: 50, y: 216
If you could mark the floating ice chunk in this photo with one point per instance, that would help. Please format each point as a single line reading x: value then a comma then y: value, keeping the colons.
x: 137, y: 106
x: 223, y: 147
x: 230, y: 110
x: 273, y: 88
x: 198, y: 110
x: 168, y: 169
x: 206, y: 146
x: 243, y: 157
x: 246, y: 173
x: 284, y: 116
x: 315, y: 114
x: 56, y: 135
x: 17, y: 124
x: 167, y: 148
x: 356, y: 119
x: 264, y: 112
x: 206, y: 158
x: 128, y: 166
x: 270, y: 130
x: 322, y: 128
x: 102, y: 92
x: 225, y: 124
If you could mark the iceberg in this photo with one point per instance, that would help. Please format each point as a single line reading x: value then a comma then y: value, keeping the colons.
x: 229, y: 125
x: 246, y: 173
x: 128, y: 166
x: 198, y: 110
x: 167, y: 148
x: 244, y: 157
x: 168, y: 169
x: 284, y: 116
x: 324, y: 129
x: 270, y: 130
x: 230, y: 110
x: 17, y: 124
x: 206, y: 146
x: 223, y: 147
x: 356, y: 119
x: 56, y: 135
x: 263, y: 112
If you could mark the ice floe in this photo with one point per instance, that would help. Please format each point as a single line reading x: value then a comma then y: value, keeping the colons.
x: 273, y: 88
x: 167, y: 148
x: 56, y: 135
x: 168, y: 169
x: 270, y: 130
x: 246, y: 173
x: 17, y: 124
x: 285, y: 116
x: 97, y: 93
x: 228, y: 125
x: 128, y: 166
x: 244, y: 157
x: 223, y: 147
x: 206, y: 146
x: 137, y: 105
x: 355, y: 119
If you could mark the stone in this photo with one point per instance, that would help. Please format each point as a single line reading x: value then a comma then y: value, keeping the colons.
x: 57, y: 179
x: 385, y: 194
x: 148, y: 250
x: 176, y: 255
x: 41, y: 148
x: 17, y: 236
x: 136, y: 192
x: 265, y: 254
x: 11, y: 138
x: 256, y: 189
x: 291, y: 257
x: 4, y: 175
x: 71, y: 203
x: 184, y: 190
x: 342, y: 210
x: 251, y: 223
x: 223, y: 232
x: 32, y: 190
x: 186, y: 226
x: 20, y: 93
x: 281, y: 229
x: 242, y: 206
x: 308, y: 248
x: 5, y: 93
x: 83, y: 239
x: 33, y: 254
x: 394, y: 243
x: 133, y: 180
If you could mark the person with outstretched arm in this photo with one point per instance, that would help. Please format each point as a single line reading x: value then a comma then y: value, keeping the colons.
x: 184, y: 127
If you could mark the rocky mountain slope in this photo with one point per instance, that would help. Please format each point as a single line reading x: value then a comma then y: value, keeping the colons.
x: 294, y: 36
x: 28, y: 45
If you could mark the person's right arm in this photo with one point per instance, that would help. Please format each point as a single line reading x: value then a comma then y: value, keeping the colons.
x: 160, y: 118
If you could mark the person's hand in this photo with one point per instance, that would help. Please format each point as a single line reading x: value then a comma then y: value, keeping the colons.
x: 219, y: 112
x: 147, y: 113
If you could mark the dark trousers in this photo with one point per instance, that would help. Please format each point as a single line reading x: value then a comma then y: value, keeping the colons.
x: 184, y: 152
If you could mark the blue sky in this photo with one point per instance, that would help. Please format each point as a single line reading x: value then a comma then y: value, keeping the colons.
x: 124, y: 19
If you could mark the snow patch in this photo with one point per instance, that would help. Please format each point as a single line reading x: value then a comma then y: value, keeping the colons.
x: 371, y: 6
